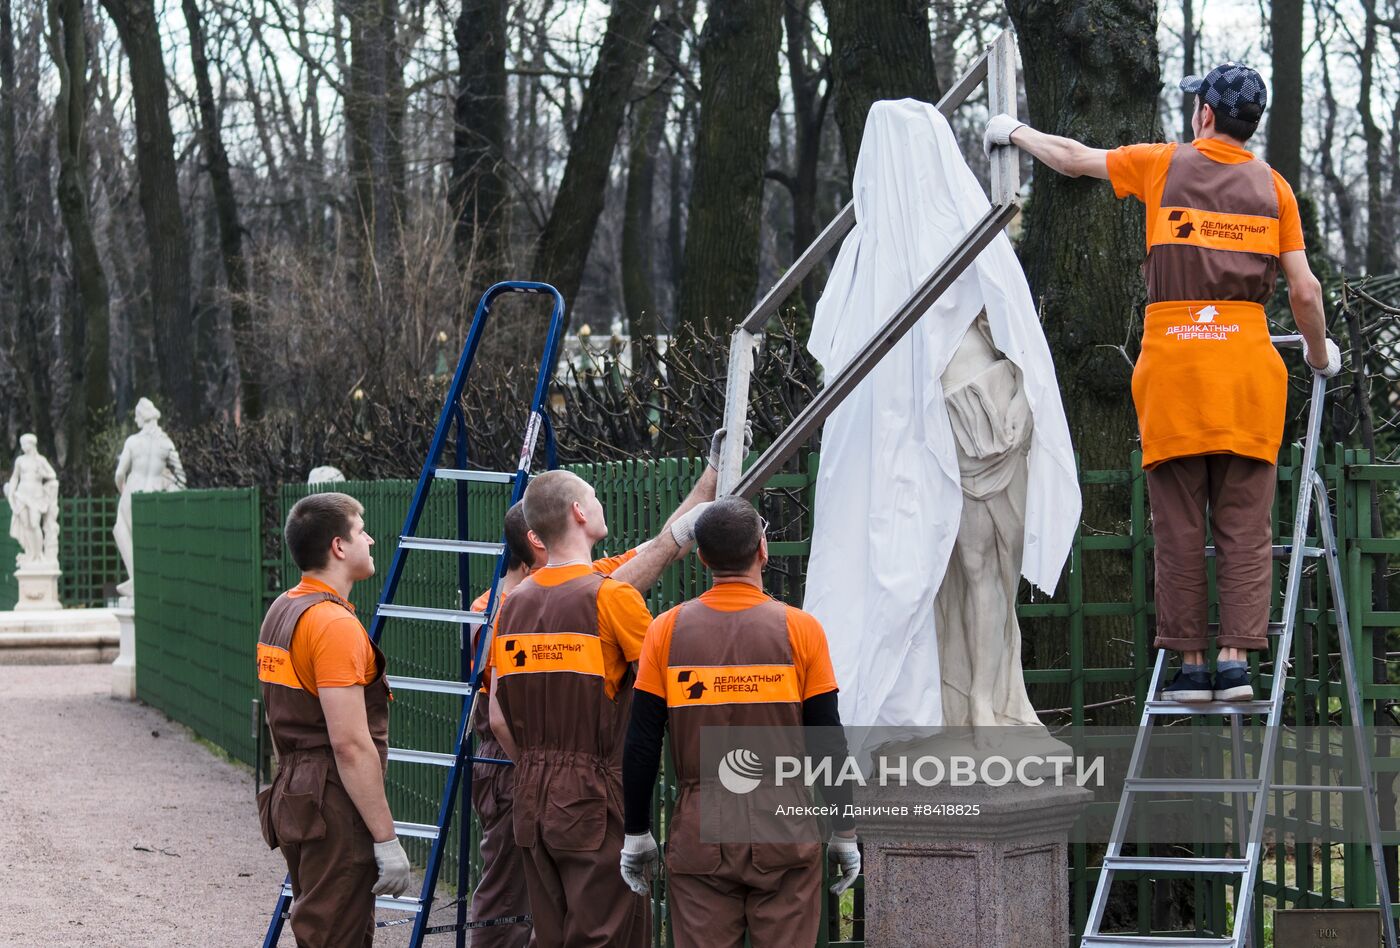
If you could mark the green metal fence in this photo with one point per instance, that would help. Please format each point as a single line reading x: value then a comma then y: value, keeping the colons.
x: 86, y: 552
x: 1064, y: 633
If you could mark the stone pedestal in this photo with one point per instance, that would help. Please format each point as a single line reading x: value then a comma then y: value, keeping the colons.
x: 38, y: 587
x: 58, y: 636
x: 124, y: 668
x: 998, y: 878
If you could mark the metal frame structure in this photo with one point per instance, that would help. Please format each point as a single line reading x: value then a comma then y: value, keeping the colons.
x: 458, y: 763
x: 997, y: 68
x: 1249, y: 849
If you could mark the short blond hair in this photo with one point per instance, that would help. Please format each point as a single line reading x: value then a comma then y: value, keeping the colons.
x: 549, y: 502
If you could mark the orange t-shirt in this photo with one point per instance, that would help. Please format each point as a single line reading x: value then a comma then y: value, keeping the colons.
x: 330, y: 648
x: 811, y: 658
x: 1141, y: 171
x: 607, y: 566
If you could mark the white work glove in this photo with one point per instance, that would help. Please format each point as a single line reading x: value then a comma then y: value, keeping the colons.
x: 717, y: 443
x: 640, y: 860
x: 395, y: 874
x: 683, y: 527
x: 1334, y: 360
x: 999, y: 130
x: 843, y: 851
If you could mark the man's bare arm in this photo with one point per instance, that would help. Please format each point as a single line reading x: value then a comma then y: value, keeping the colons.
x: 1064, y: 155
x: 356, y: 757
x: 1305, y: 297
x: 642, y: 571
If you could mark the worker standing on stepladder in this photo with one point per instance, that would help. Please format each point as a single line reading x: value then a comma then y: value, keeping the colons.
x: 328, y: 710
x: 767, y: 889
x: 561, y: 690
x: 1209, y: 387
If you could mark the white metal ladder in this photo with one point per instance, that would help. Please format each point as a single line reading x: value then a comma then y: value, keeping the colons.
x: 1251, y: 793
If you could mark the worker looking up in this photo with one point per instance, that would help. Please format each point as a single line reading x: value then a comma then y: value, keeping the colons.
x: 1209, y: 387
x: 560, y: 694
x: 501, y: 892
x: 328, y: 710
x: 718, y: 892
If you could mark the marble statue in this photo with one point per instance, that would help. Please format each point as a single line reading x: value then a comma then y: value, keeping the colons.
x: 33, y: 495
x: 979, y: 640
x: 325, y: 474
x: 148, y: 462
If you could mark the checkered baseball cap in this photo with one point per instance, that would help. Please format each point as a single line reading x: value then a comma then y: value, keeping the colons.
x: 1231, y: 89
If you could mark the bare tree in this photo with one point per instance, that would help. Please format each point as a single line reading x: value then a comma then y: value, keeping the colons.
x: 478, y: 190
x: 1286, y: 94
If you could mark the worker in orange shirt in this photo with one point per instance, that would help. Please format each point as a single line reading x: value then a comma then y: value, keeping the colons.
x: 500, y: 899
x: 327, y: 707
x: 1209, y: 387
x: 719, y: 892
x: 562, y: 687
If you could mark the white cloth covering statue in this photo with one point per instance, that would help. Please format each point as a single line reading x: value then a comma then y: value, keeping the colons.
x: 33, y: 495
x: 148, y: 462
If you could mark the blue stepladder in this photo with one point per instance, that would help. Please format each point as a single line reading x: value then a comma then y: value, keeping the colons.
x: 458, y: 764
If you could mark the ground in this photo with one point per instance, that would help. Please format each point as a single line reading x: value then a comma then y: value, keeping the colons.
x: 119, y: 830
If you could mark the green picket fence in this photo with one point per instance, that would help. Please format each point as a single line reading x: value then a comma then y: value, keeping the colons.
x: 204, y: 585
x: 87, y: 553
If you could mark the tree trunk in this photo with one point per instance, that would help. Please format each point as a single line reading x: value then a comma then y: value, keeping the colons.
x: 1189, y: 40
x: 374, y: 111
x: 1376, y: 224
x: 26, y: 299
x: 478, y: 190
x: 90, y: 391
x: 226, y: 210
x: 568, y: 234
x: 1286, y: 94
x: 738, y: 93
x: 809, y: 107
x: 159, y: 190
x: 880, y: 49
x: 1091, y: 73
x: 639, y: 272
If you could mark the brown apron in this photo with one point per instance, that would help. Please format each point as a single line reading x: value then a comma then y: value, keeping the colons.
x: 728, y: 670
x: 1208, y: 381
x: 306, y: 811
x: 550, y: 681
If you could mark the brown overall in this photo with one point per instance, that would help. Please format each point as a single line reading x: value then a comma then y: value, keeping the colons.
x: 501, y: 892
x: 551, y: 686
x: 306, y: 811
x: 1220, y: 404
x: 719, y: 891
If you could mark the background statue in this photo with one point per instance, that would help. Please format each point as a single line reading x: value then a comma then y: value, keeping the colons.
x: 33, y: 495
x: 325, y: 474
x: 148, y: 462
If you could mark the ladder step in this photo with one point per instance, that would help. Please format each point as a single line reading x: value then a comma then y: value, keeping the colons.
x: 1189, y: 785
x: 481, y: 477
x: 421, y: 830
x: 452, y: 546
x: 1171, y: 941
x: 1284, y: 551
x: 401, y: 904
x: 1168, y: 708
x: 430, y: 684
x: 1169, y: 864
x: 406, y: 756
x: 433, y: 615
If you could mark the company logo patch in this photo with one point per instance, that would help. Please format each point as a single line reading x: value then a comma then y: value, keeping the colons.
x: 1182, y: 224
x: 549, y: 652
x: 740, y: 771
x: 1205, y: 314
x: 732, y: 684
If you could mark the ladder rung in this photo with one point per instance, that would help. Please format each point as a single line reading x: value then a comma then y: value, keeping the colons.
x: 1189, y: 785
x: 1171, y: 941
x: 1284, y: 551
x: 1170, y: 864
x: 404, y: 903
x: 452, y: 546
x: 433, y: 615
x: 1315, y: 788
x: 421, y: 830
x: 483, y: 477
x: 404, y: 755
x: 429, y: 684
x: 1209, y: 707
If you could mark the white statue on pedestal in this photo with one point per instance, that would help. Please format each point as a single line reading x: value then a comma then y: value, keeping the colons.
x: 148, y: 462
x: 33, y: 495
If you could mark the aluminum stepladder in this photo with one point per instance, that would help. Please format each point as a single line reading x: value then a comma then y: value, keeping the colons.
x: 996, y: 66
x: 457, y: 763
x: 1312, y: 496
